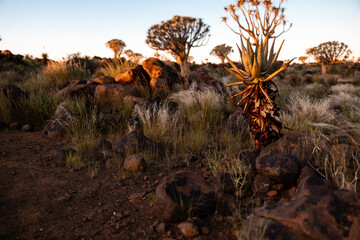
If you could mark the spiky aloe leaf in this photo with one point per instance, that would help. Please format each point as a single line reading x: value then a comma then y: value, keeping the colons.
x: 278, y: 71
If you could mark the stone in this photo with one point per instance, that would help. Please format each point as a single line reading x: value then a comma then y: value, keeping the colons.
x: 332, y: 215
x: 12, y: 92
x: 184, y: 193
x: 104, y: 80
x: 59, y: 156
x: 161, y: 75
x: 237, y: 121
x: 132, y: 143
x: 14, y: 125
x: 56, y: 129
x: 224, y: 184
x: 205, y: 230
x: 280, y: 167
x: 262, y: 184
x: 304, y: 146
x: 27, y: 128
x: 135, y: 163
x: 112, y: 94
x: 77, y: 88
x: 309, y: 183
x: 91, y: 156
x: 256, y: 227
x: 199, y: 74
x: 161, y: 228
x: 188, y: 229
x: 134, y: 75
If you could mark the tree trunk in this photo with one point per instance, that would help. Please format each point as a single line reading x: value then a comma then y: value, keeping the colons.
x: 184, y: 66
x: 222, y: 59
x: 324, y: 68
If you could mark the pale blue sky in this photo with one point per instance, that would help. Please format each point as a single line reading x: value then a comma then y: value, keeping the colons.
x: 61, y: 27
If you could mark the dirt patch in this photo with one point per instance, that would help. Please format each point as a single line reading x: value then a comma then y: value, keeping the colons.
x: 39, y: 199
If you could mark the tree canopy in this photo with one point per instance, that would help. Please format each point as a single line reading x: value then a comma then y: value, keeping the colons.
x: 220, y: 50
x: 329, y: 52
x: 177, y: 36
x: 117, y: 46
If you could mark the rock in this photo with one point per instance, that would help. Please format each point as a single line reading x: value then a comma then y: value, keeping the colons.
x: 14, y: 125
x: 135, y: 163
x: 104, y: 80
x: 280, y: 167
x: 309, y: 183
x: 56, y: 129
x: 134, y: 75
x: 62, y: 113
x: 59, y: 156
x: 142, y: 102
x: 161, y: 228
x: 3, y: 125
x: 12, y: 93
x: 182, y: 192
x: 77, y: 88
x: 333, y: 215
x: 224, y: 184
x: 237, y: 121
x: 27, y: 128
x: 188, y: 229
x: 132, y: 143
x: 262, y: 184
x: 256, y: 227
x: 161, y: 75
x: 205, y: 230
x: 304, y: 146
x: 200, y: 75
x: 113, y: 94
x: 91, y: 156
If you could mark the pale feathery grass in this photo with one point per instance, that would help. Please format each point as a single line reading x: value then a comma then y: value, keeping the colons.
x: 308, y: 115
x: 349, y: 104
x: 345, y: 88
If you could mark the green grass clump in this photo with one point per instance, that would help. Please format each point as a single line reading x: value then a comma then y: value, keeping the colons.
x: 114, y: 67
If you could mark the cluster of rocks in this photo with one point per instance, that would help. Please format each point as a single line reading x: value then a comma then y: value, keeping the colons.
x: 298, y: 203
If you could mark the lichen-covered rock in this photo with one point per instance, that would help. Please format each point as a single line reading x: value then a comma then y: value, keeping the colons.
x: 135, y: 163
x: 104, y: 80
x: 182, y: 192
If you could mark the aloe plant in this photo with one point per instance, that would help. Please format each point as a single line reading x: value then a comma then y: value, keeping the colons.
x: 260, y: 67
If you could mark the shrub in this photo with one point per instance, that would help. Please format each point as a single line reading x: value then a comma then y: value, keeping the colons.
x: 114, y: 67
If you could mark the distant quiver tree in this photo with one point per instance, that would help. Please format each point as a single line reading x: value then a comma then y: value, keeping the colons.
x: 220, y: 50
x: 329, y: 53
x: 117, y: 46
x: 177, y: 36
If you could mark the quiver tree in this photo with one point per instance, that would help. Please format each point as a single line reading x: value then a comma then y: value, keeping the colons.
x: 177, y: 36
x: 302, y: 59
x: 220, y: 50
x: 257, y: 22
x: 117, y: 46
x: 329, y: 53
x: 128, y: 53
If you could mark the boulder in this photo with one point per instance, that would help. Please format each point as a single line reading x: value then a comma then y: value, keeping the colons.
x: 104, y: 80
x: 188, y: 229
x: 332, y: 215
x: 113, y: 94
x: 77, y: 88
x: 280, y: 167
x: 262, y: 184
x: 59, y: 156
x: 132, y: 143
x: 309, y: 183
x: 161, y: 75
x: 91, y: 156
x: 237, y: 120
x: 12, y: 92
x: 134, y: 75
x: 14, y: 125
x: 182, y: 192
x: 27, y: 128
x: 56, y: 129
x: 304, y: 146
x: 256, y: 227
x: 200, y: 75
x: 135, y: 163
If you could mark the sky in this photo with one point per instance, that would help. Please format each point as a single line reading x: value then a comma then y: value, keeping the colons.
x: 63, y: 27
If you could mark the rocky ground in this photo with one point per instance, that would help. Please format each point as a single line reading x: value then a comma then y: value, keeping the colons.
x: 42, y: 200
